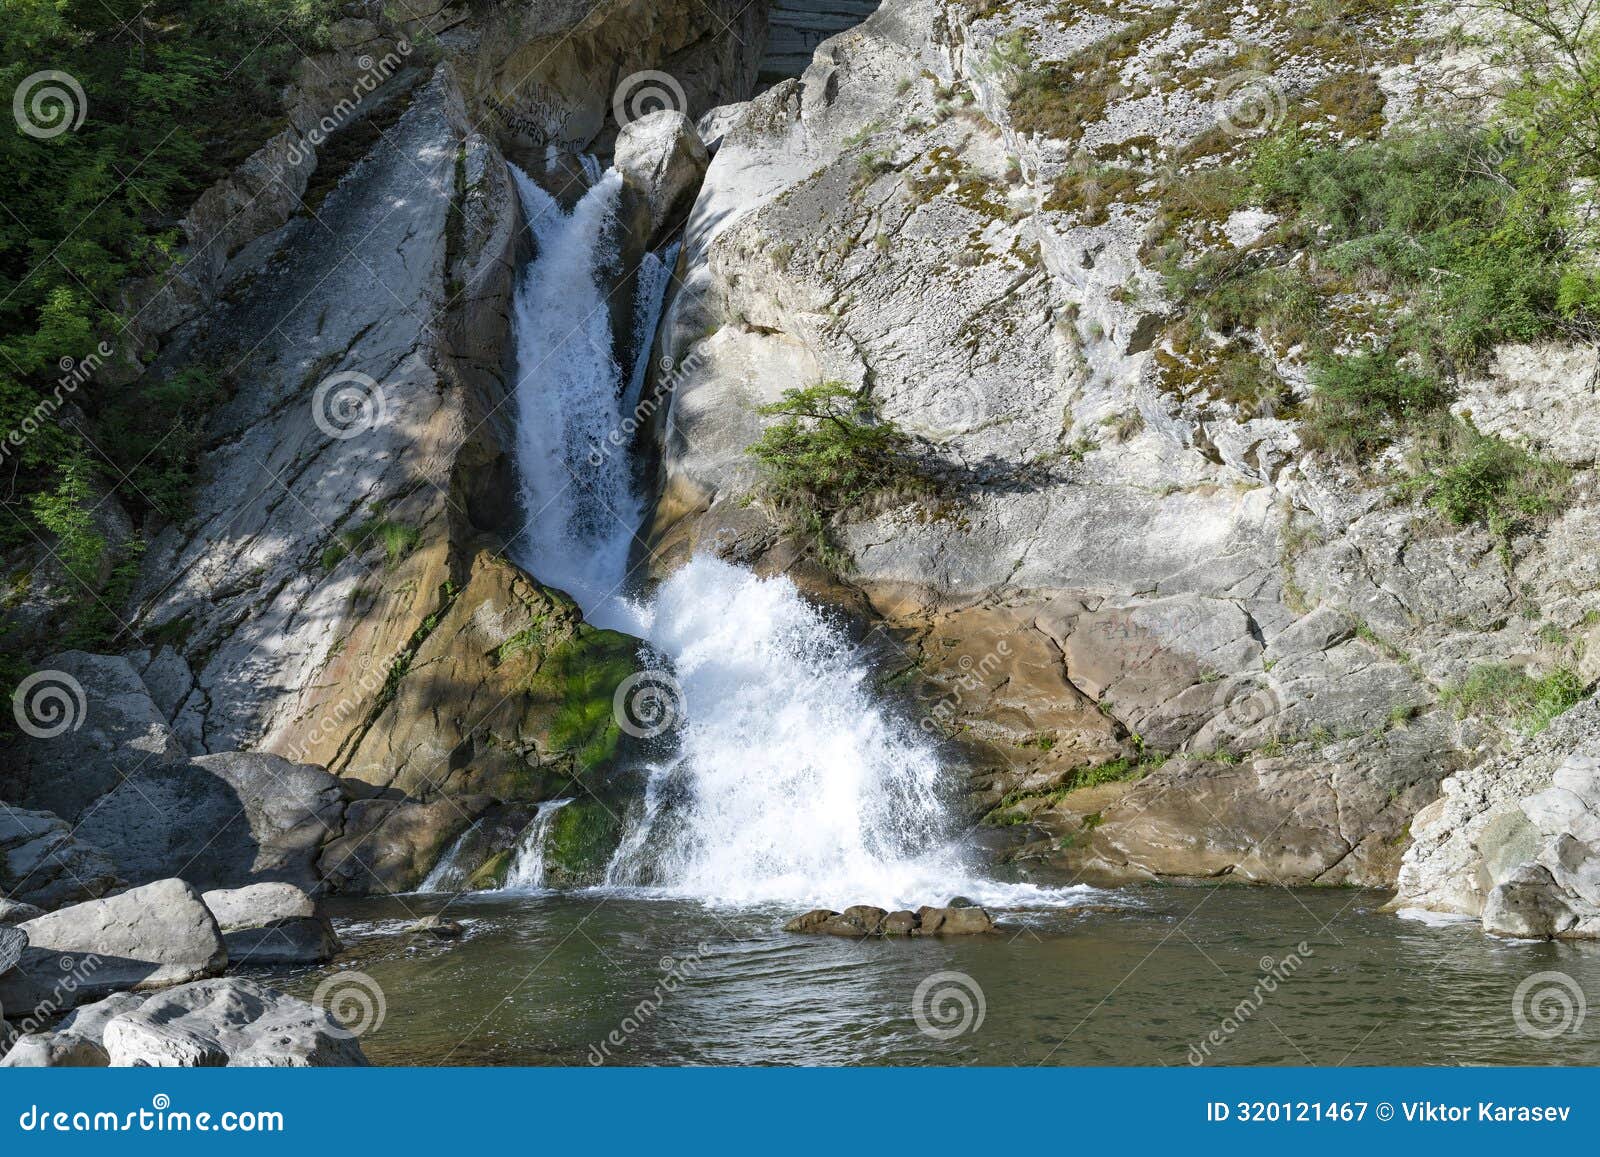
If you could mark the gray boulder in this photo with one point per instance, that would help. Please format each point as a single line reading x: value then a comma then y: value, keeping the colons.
x: 43, y: 863
x: 77, y: 1042
x: 271, y: 924
x: 109, y: 728
x: 14, y: 912
x: 231, y: 1022
x: 221, y: 821
x: 12, y: 942
x: 149, y: 937
x: 662, y: 161
x: 1527, y: 906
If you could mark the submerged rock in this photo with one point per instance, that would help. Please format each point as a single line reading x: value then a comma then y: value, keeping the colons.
x: 438, y: 928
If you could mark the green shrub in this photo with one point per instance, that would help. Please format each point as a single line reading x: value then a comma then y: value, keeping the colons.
x: 1529, y: 702
x: 66, y: 512
x: 1475, y: 478
x: 175, y: 94
x: 1363, y: 401
x: 828, y: 455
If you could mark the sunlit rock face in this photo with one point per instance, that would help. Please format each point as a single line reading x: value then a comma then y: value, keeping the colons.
x: 1120, y: 561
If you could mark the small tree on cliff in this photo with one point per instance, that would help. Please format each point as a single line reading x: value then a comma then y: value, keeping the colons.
x: 830, y: 454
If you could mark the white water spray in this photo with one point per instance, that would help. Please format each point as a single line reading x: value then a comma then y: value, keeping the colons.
x: 790, y: 782
x: 527, y: 869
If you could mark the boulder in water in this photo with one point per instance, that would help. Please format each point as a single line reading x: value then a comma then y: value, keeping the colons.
x: 899, y: 924
x: 865, y: 920
x: 438, y: 928
x: 953, y: 921
x: 271, y: 924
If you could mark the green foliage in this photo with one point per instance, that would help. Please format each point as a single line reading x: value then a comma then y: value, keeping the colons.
x: 396, y: 538
x: 175, y: 92
x: 1528, y: 702
x: 1473, y: 478
x: 1471, y: 237
x: 154, y: 432
x: 1364, y: 401
x: 829, y: 454
x: 66, y: 513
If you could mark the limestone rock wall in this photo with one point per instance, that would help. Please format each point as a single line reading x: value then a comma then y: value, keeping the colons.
x: 1112, y: 567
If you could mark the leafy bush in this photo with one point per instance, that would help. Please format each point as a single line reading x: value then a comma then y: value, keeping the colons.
x: 1364, y: 401
x: 828, y: 455
x: 174, y: 94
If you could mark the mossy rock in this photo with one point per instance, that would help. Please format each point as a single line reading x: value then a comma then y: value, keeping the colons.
x: 582, y: 675
x: 491, y: 874
x: 580, y: 843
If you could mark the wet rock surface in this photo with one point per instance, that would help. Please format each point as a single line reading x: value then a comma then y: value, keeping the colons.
x: 863, y: 920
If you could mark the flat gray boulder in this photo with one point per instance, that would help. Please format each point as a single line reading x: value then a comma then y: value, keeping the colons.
x: 221, y: 821
x: 77, y: 1042
x: 94, y: 723
x: 271, y: 924
x: 230, y: 1022
x: 150, y: 937
x: 43, y: 863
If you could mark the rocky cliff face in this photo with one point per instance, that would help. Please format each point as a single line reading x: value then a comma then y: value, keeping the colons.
x: 1119, y: 564
x: 342, y: 594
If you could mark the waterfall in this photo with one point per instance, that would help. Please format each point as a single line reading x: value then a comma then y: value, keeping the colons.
x: 527, y: 862
x: 449, y: 874
x: 790, y: 781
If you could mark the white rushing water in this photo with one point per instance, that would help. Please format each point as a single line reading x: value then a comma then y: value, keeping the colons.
x: 527, y: 869
x: 790, y: 782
